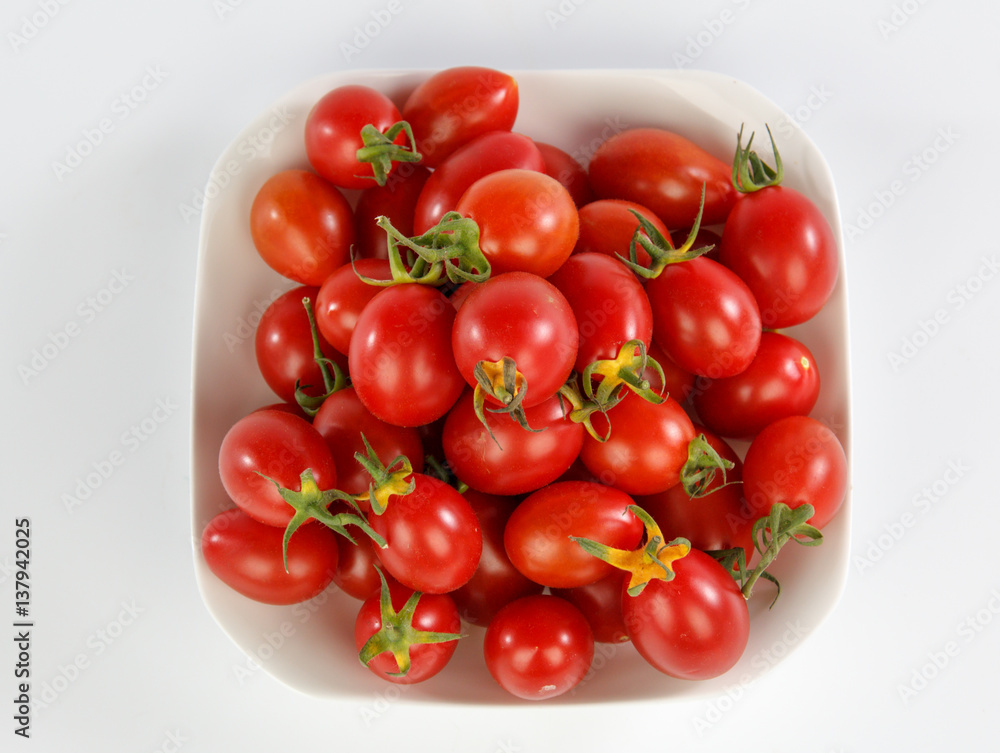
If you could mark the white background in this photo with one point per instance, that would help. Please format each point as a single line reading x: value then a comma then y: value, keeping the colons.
x: 897, y: 95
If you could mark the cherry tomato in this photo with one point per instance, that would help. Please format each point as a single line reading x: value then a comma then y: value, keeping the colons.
x: 356, y: 574
x: 527, y: 220
x: 246, y: 555
x: 283, y: 346
x: 333, y: 133
x: 665, y: 172
x: 607, y: 227
x: 647, y: 447
x: 563, y: 167
x: 693, y: 627
x: 280, y: 446
x: 455, y: 105
x: 343, y: 295
x: 342, y: 420
x: 676, y: 383
x: 538, y: 647
x: 496, y: 581
x: 400, y: 357
x: 793, y: 461
x: 302, y: 226
x: 513, y: 460
x: 704, y: 317
x: 523, y: 317
x: 782, y: 380
x: 434, y: 613
x: 601, y: 604
x: 433, y: 540
x: 397, y: 200
x: 609, y: 304
x: 497, y: 150
x: 783, y: 248
x: 537, y: 536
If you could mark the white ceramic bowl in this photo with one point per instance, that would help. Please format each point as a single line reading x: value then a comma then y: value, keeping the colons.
x: 310, y: 646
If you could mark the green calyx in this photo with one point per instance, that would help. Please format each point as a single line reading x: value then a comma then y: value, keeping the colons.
x: 380, y: 151
x: 334, y: 379
x: 504, y: 383
x: 397, y: 633
x: 702, y: 463
x: 625, y: 369
x: 385, y: 482
x: 750, y: 173
x: 448, y: 252
x: 660, y: 248
x: 582, y: 408
x: 312, y: 503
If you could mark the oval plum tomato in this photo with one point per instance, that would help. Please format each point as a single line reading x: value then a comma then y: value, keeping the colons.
x: 717, y: 520
x: 281, y: 447
x: 246, y: 556
x: 496, y: 581
x: 433, y: 541
x: 512, y: 460
x: 793, y: 461
x: 609, y: 304
x: 563, y: 167
x: 343, y: 295
x: 342, y: 420
x: 455, y: 105
x: 693, y: 627
x: 333, y: 133
x: 601, y: 604
x: 537, y: 536
x: 538, y: 647
x: 356, y: 574
x: 400, y: 357
x: 704, y: 317
x: 527, y: 220
x: 302, y: 226
x: 397, y: 200
x: 607, y: 227
x: 783, y: 248
x: 647, y: 447
x: 434, y: 613
x: 782, y: 380
x: 523, y: 317
x: 497, y: 150
x: 284, y: 349
x: 665, y: 172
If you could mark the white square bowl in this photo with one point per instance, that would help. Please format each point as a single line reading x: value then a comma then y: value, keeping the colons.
x: 310, y: 646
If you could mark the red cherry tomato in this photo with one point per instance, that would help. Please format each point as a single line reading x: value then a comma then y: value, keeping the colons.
x: 793, y: 461
x: 537, y: 537
x: 527, y: 220
x: 601, y: 604
x: 356, y: 574
x: 400, y: 357
x: 783, y: 248
x: 665, y: 172
x: 782, y: 380
x: 302, y: 226
x: 563, y: 167
x: 433, y: 541
x: 340, y: 300
x: 538, y: 647
x: 677, y: 383
x: 280, y: 446
x: 497, y: 150
x: 496, y: 581
x: 397, y: 200
x: 455, y: 105
x: 246, y: 556
x: 704, y: 317
x: 333, y: 133
x: 607, y: 227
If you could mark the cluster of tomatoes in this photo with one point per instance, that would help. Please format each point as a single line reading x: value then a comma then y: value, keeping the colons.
x: 488, y: 375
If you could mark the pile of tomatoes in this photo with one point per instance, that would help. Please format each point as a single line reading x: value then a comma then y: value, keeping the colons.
x: 507, y: 382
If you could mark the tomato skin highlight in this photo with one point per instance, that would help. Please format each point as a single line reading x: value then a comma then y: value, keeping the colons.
x: 433, y: 540
x: 538, y: 647
x: 537, y: 536
x: 693, y: 627
x: 246, y: 556
x: 783, y: 248
x: 455, y: 105
x: 704, y: 317
x: 302, y: 226
x: 400, y: 358
x: 663, y: 171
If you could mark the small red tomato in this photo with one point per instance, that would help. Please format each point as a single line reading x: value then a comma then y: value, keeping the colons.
x: 563, y: 167
x: 601, y: 604
x: 343, y: 296
x: 607, y: 227
x: 397, y: 200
